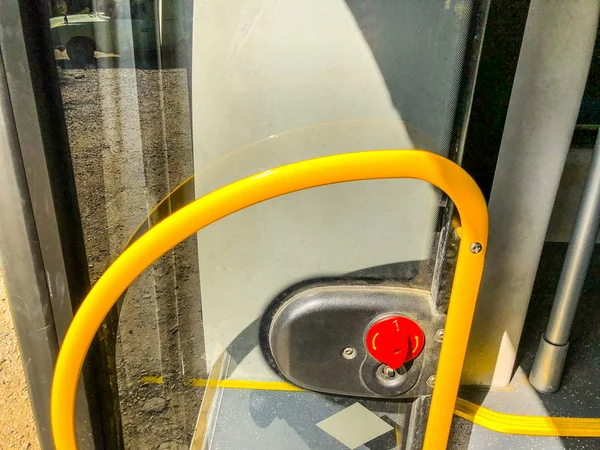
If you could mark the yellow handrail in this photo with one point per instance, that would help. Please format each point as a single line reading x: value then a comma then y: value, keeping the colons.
x: 416, y: 164
x: 492, y: 420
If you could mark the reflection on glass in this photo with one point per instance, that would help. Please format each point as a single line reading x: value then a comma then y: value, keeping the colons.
x: 130, y: 142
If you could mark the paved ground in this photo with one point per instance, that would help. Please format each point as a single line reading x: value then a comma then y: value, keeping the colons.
x: 130, y: 142
x: 17, y: 428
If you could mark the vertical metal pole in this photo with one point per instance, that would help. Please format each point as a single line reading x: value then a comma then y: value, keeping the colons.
x: 549, y: 83
x: 550, y: 358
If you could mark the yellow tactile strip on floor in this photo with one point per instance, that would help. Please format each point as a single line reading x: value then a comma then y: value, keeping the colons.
x: 479, y: 415
x: 527, y: 425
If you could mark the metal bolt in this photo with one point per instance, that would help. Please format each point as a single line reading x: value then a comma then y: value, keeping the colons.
x: 439, y: 335
x: 476, y: 247
x: 431, y: 381
x: 389, y: 372
x: 349, y: 353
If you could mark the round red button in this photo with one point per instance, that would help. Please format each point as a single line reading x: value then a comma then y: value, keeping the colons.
x: 395, y: 340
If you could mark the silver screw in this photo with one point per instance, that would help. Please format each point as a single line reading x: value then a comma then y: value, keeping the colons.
x: 431, y: 381
x: 349, y: 353
x: 389, y: 372
x: 476, y: 247
x: 439, y: 335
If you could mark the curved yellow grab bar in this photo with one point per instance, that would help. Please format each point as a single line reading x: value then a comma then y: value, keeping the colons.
x: 439, y: 171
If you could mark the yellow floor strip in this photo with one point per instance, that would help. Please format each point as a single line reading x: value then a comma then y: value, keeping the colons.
x: 247, y: 384
x: 232, y: 384
x: 529, y: 425
x: 152, y: 380
x: 479, y: 415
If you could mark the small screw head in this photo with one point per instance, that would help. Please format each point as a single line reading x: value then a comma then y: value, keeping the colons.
x: 349, y: 353
x: 389, y: 372
x: 476, y: 247
x: 431, y: 381
x: 439, y: 335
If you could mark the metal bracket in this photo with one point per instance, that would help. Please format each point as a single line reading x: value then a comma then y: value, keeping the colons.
x: 307, y: 331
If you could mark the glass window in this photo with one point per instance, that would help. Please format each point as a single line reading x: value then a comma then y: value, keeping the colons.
x: 168, y: 100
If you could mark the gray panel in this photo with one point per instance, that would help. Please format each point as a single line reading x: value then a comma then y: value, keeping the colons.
x: 309, y: 330
x: 21, y: 264
x: 277, y: 82
x: 18, y: 77
x: 30, y: 110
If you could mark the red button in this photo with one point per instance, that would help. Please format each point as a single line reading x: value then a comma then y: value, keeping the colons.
x: 395, y: 340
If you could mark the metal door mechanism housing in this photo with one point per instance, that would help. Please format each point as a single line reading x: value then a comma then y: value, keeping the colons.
x: 315, y: 334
